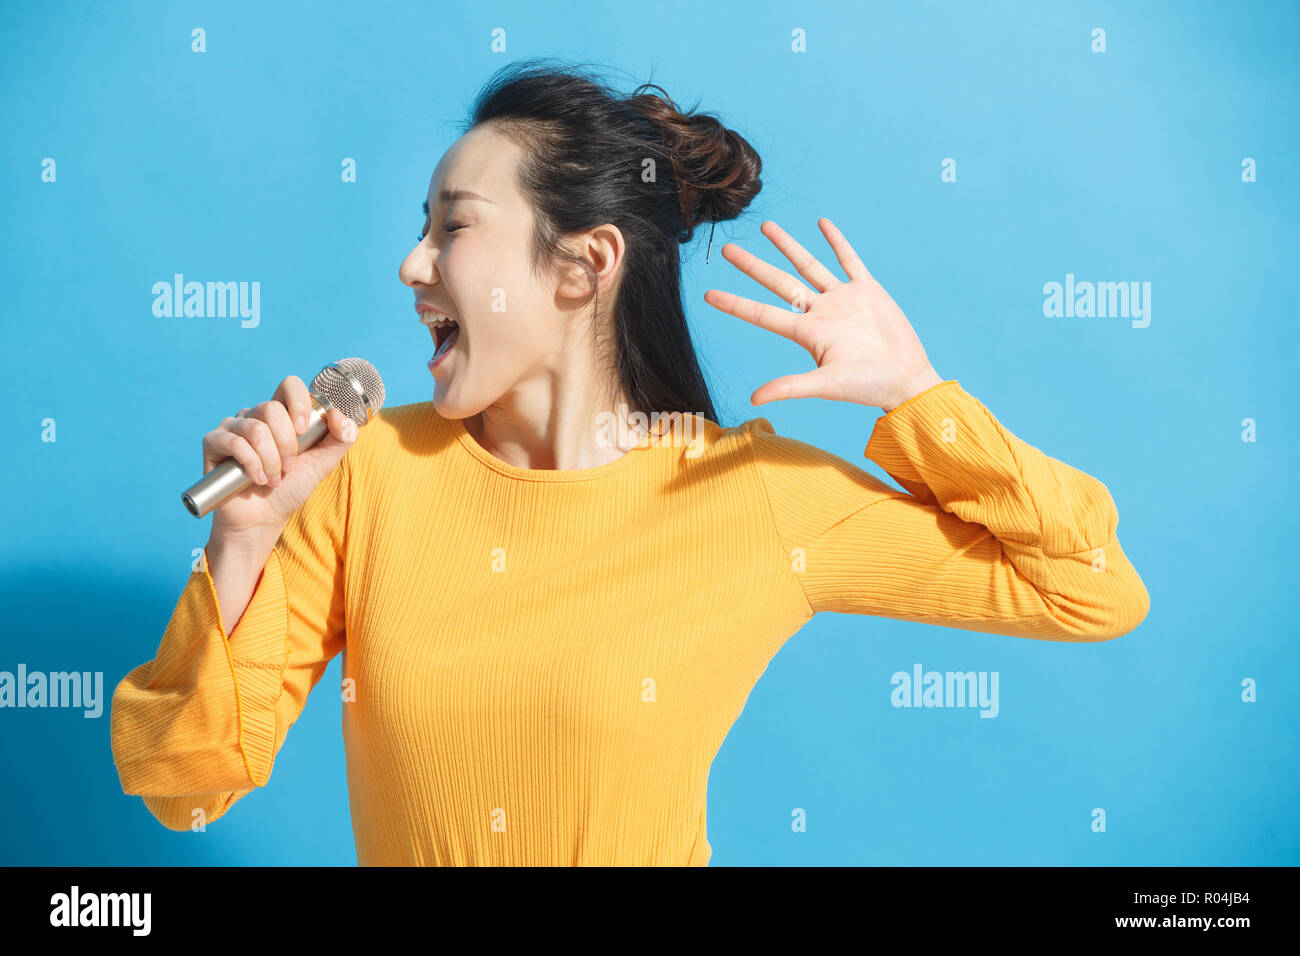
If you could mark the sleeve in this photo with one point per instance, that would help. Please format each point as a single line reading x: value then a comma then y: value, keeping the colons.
x: 199, y: 726
x: 991, y: 534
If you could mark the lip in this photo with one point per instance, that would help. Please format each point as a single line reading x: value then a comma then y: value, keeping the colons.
x: 422, y: 307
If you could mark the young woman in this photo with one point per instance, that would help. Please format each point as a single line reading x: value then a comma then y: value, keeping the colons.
x: 551, y: 614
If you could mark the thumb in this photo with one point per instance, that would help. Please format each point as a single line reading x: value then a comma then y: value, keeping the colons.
x: 814, y: 384
x: 340, y: 433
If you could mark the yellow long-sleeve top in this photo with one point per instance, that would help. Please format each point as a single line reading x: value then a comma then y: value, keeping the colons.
x: 540, y: 666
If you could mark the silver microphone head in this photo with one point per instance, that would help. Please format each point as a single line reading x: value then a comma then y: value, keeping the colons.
x: 353, y: 387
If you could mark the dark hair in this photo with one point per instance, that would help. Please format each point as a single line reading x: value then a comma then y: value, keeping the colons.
x: 585, y: 152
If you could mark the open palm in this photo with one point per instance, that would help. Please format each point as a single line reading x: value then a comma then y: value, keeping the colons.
x: 864, y: 347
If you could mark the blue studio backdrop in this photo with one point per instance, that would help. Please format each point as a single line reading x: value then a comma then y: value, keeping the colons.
x: 974, y: 154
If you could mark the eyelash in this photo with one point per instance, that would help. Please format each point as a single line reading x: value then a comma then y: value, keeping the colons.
x: 447, y: 228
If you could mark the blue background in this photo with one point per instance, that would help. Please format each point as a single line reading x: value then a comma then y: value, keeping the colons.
x: 1115, y: 166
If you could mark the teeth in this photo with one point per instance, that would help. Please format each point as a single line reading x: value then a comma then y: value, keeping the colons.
x: 434, y: 319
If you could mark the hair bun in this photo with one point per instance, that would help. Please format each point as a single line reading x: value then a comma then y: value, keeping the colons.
x: 716, y: 170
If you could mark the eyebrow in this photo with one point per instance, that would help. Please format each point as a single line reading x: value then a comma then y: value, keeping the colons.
x: 448, y: 195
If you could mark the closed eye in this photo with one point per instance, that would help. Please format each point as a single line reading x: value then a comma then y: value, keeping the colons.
x: 450, y: 227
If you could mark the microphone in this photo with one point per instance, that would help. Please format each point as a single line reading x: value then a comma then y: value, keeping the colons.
x: 351, y: 385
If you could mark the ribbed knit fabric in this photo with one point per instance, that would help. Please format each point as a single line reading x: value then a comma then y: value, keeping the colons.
x: 540, y: 666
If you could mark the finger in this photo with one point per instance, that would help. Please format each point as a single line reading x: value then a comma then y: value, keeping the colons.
x: 286, y: 438
x: 848, y: 259
x: 814, y: 384
x: 293, y: 395
x: 769, y: 276
x: 822, y: 279
x: 221, y: 443
x: 340, y: 426
x: 258, y: 434
x: 770, y: 317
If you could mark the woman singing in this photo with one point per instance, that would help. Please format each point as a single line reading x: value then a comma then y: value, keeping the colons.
x: 556, y: 583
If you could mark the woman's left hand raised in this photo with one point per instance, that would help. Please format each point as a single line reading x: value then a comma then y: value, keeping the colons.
x: 865, y: 349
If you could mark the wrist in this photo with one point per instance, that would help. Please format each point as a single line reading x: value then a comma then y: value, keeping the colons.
x: 247, y: 547
x: 923, y: 380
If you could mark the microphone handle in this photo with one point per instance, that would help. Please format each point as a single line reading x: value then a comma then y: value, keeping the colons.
x: 228, y: 478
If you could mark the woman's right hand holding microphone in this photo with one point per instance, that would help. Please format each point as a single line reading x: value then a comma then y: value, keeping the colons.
x: 246, y: 526
x: 264, y: 440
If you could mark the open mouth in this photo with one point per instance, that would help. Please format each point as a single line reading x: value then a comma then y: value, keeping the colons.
x: 445, y: 334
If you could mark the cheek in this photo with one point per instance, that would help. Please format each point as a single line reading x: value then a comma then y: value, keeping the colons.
x: 498, y: 295
x: 451, y: 265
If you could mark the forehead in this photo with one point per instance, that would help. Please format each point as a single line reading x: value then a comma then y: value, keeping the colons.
x: 481, y: 161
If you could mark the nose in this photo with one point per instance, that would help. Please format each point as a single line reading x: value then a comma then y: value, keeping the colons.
x: 420, y: 267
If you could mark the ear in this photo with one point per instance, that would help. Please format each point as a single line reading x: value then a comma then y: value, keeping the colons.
x: 603, y: 248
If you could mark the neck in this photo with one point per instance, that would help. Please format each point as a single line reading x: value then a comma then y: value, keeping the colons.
x: 561, y: 426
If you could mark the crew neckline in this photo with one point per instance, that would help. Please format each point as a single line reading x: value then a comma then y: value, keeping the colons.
x: 468, y: 442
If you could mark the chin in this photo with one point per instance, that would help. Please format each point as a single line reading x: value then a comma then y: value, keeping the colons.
x: 448, y: 407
